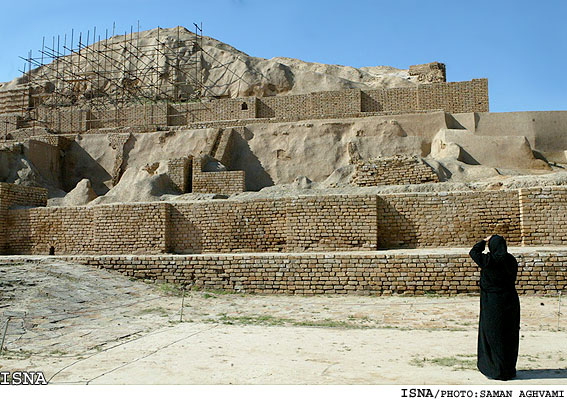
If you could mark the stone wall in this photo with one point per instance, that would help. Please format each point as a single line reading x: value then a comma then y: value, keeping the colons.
x: 447, y: 219
x: 394, y: 170
x: 541, y: 272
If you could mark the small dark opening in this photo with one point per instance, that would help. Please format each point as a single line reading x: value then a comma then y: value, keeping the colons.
x: 52, y: 250
x: 244, y: 106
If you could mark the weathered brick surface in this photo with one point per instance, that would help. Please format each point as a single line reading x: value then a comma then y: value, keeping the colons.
x: 392, y: 171
x: 225, y: 226
x: 544, y: 215
x: 336, y: 273
x: 331, y: 223
x: 121, y: 228
x: 216, y: 182
x: 16, y: 195
x: 447, y: 219
x: 533, y: 216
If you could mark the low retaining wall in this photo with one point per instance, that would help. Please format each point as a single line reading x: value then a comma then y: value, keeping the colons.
x: 380, y: 273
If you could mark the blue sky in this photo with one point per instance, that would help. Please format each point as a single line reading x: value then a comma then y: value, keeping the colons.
x: 520, y: 46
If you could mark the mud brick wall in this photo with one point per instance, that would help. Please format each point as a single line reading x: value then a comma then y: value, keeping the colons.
x: 179, y: 172
x: 336, y: 273
x: 14, y: 100
x: 393, y: 170
x: 454, y: 97
x: 124, y: 229
x: 68, y: 120
x: 8, y: 123
x: 447, y: 219
x: 331, y: 223
x: 222, y: 226
x: 394, y: 99
x: 544, y: 215
x: 334, y: 102
x: 292, y: 106
x: 216, y: 182
x: 316, y: 105
x: 68, y: 230
x: 16, y: 195
x: 131, y: 228
x: 222, y: 109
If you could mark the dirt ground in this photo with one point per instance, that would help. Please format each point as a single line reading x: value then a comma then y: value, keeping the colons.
x: 85, y: 326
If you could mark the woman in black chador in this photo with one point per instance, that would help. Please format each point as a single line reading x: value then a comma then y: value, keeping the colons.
x: 499, y: 323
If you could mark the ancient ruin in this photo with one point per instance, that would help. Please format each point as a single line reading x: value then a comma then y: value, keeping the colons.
x: 167, y: 155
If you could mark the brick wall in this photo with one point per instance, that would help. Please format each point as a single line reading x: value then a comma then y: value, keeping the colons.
x: 121, y: 228
x: 325, y: 223
x: 179, y: 171
x: 216, y: 182
x: 331, y: 223
x: 393, y: 170
x: 544, y: 215
x: 15, y: 100
x: 16, y: 195
x: 226, y: 226
x: 447, y: 219
x: 377, y: 273
x: 454, y: 97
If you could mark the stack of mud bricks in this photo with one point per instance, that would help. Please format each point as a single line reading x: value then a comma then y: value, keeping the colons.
x: 399, y: 169
x: 16, y: 195
x: 430, y: 72
x: 339, y: 273
x: 216, y: 182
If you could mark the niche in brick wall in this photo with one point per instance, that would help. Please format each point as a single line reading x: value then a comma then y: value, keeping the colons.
x: 244, y: 106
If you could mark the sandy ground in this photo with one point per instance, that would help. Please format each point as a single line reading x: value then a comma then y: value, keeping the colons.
x: 80, y: 325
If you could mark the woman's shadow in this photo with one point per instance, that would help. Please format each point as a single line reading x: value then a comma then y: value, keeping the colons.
x: 541, y: 374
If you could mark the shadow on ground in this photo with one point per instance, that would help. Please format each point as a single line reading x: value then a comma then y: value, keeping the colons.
x: 541, y: 374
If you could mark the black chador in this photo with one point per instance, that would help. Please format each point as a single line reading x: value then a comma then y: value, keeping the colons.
x: 499, y: 323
